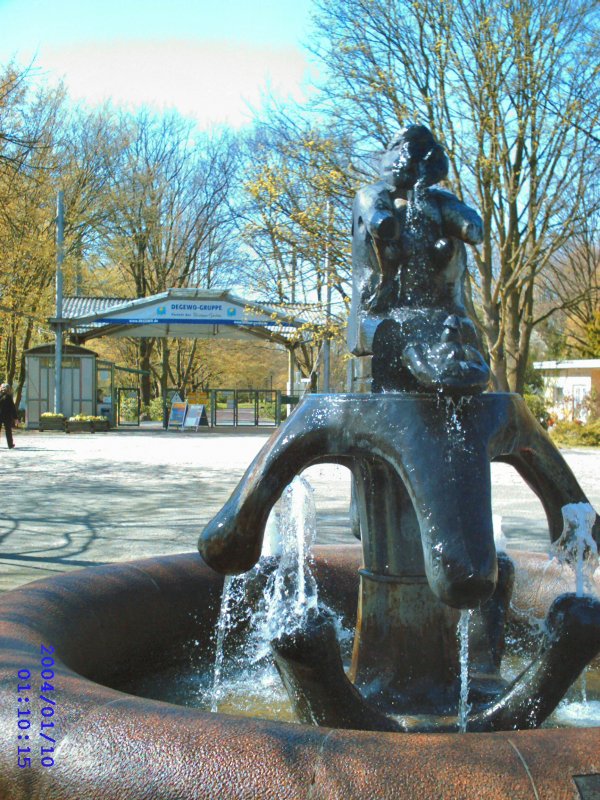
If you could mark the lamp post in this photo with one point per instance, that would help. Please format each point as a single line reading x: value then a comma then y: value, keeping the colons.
x: 327, y: 340
x: 60, y: 232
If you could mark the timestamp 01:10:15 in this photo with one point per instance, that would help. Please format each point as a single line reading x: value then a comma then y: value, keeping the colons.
x: 25, y: 715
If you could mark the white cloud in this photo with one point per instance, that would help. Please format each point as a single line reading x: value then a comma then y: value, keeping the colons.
x: 211, y: 81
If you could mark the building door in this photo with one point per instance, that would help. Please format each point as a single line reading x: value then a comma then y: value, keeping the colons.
x: 579, y: 402
x: 71, y: 380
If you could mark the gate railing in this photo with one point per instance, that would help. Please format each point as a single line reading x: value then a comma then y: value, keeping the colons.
x: 245, y: 407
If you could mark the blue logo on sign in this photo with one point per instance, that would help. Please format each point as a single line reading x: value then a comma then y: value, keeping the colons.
x: 161, y: 310
x: 231, y: 311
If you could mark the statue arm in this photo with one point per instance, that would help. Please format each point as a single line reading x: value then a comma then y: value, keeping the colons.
x: 374, y: 209
x: 382, y: 224
x: 459, y: 219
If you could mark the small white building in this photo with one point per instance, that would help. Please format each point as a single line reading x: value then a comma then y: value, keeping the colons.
x: 78, y: 381
x: 572, y: 388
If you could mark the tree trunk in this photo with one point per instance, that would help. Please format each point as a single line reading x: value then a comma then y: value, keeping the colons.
x: 145, y: 350
x: 22, y: 369
x: 164, y: 378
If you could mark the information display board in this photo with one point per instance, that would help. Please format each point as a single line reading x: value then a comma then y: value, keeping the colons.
x: 177, y: 415
x: 198, y: 397
x: 196, y: 416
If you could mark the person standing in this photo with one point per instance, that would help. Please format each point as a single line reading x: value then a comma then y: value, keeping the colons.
x: 8, y: 413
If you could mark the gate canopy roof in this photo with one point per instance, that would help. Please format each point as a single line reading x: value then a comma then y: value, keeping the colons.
x: 185, y: 313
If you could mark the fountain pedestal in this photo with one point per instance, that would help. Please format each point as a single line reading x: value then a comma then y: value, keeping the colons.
x: 405, y: 647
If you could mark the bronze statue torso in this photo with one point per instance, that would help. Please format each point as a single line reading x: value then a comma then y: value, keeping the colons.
x: 408, y: 265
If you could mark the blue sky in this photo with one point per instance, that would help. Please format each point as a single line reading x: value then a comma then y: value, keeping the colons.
x: 208, y: 59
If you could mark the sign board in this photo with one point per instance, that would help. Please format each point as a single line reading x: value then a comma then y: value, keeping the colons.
x: 195, y: 312
x: 198, y: 397
x: 196, y: 416
x: 177, y: 415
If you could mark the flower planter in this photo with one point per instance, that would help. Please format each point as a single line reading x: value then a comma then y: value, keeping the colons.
x: 80, y: 426
x: 52, y: 424
x: 101, y: 425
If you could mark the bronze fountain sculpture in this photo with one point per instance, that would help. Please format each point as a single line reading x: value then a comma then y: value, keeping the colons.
x: 419, y: 448
x: 423, y: 488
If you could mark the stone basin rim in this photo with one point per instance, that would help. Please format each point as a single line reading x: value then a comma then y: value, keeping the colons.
x: 232, y: 756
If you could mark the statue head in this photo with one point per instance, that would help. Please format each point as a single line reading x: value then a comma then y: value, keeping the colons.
x: 413, y: 156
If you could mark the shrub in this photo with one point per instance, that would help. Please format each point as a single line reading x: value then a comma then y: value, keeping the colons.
x: 52, y: 415
x: 267, y: 410
x: 129, y: 408
x: 536, y: 405
x: 577, y: 434
x: 154, y: 410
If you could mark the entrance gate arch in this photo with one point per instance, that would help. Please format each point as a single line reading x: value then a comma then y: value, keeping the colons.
x: 196, y: 314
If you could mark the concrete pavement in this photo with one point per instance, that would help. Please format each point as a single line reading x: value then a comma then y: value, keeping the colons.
x: 76, y: 500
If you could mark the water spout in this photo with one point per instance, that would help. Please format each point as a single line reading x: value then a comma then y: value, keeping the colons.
x: 224, y: 624
x: 576, y: 545
x: 463, y: 638
x: 281, y: 590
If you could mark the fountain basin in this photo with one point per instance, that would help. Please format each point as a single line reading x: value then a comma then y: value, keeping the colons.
x: 108, y: 624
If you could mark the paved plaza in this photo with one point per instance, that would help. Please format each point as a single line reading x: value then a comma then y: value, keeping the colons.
x: 78, y: 500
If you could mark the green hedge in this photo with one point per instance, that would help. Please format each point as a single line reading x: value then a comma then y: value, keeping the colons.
x: 576, y: 434
x: 536, y: 405
x: 154, y: 410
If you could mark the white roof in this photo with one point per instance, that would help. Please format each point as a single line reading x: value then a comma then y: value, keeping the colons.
x: 574, y: 363
x: 193, y: 313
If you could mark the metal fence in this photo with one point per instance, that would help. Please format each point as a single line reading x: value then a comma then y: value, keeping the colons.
x: 245, y: 407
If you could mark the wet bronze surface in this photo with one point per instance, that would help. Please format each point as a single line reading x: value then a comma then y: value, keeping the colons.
x: 422, y: 487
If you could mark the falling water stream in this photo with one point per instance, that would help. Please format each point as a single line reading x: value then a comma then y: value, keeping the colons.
x: 576, y: 538
x: 463, y: 638
x: 284, y: 589
x: 232, y: 587
x: 577, y: 549
x: 578, y: 522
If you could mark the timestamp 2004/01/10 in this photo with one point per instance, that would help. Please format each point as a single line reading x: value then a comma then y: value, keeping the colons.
x: 43, y: 722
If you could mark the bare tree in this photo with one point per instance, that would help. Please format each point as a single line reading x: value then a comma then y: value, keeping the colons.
x: 21, y: 132
x: 168, y: 205
x: 511, y: 90
x: 169, y: 221
x: 294, y: 220
x: 148, y: 207
x: 570, y: 289
x: 30, y: 126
